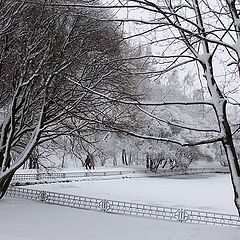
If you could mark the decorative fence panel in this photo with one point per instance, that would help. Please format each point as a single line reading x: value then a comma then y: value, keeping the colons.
x: 69, y: 175
x: 119, y: 207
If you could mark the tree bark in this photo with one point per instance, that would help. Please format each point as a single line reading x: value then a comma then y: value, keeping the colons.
x: 4, y: 183
x: 231, y: 157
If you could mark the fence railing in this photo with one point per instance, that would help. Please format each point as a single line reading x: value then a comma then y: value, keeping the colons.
x: 40, y: 176
x: 160, y: 172
x: 128, y: 208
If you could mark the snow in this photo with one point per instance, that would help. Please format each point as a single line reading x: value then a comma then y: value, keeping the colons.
x: 31, y: 220
x: 204, y: 192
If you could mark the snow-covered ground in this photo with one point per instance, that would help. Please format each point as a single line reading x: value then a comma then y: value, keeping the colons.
x: 205, y: 192
x: 30, y: 220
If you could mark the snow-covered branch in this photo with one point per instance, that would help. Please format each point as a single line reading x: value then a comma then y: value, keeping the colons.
x: 142, y: 103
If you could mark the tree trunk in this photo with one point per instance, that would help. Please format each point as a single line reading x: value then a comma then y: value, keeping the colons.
x: 234, y: 170
x: 231, y: 157
x: 4, y: 184
x: 124, y: 157
x: 220, y: 104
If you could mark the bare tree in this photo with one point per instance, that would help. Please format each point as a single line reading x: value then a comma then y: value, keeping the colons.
x: 207, y: 34
x: 191, y: 34
x: 50, y: 59
x: 188, y: 34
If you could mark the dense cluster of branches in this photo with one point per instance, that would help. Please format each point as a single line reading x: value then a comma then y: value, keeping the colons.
x: 52, y: 59
x: 192, y: 34
x: 61, y: 71
x: 204, y: 35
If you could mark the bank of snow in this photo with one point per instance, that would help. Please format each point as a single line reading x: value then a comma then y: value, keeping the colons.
x: 30, y: 220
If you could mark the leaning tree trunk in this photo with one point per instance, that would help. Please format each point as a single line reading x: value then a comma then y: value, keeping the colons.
x: 4, y: 183
x: 234, y: 168
x: 219, y: 104
x: 7, y: 169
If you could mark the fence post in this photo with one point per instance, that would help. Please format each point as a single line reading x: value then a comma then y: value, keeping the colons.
x: 104, y: 205
x: 43, y: 196
x: 181, y: 215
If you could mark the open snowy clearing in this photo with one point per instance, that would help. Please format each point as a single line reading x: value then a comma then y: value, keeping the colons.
x: 205, y: 192
x: 31, y: 220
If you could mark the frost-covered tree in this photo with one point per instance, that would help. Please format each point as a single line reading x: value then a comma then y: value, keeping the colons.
x: 52, y: 60
x: 185, y: 35
x: 204, y: 35
x: 200, y: 35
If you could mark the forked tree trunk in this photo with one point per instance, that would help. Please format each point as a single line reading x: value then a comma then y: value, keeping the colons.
x: 8, y: 170
x: 219, y: 103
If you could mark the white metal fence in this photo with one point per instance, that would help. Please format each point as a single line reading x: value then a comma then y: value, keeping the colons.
x: 128, y: 208
x: 69, y: 175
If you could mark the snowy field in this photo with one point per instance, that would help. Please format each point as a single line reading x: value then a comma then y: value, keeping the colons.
x: 30, y: 220
x: 205, y: 192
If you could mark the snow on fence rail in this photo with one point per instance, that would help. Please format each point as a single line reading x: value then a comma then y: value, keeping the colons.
x: 128, y: 208
x: 160, y: 172
x: 41, y: 176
